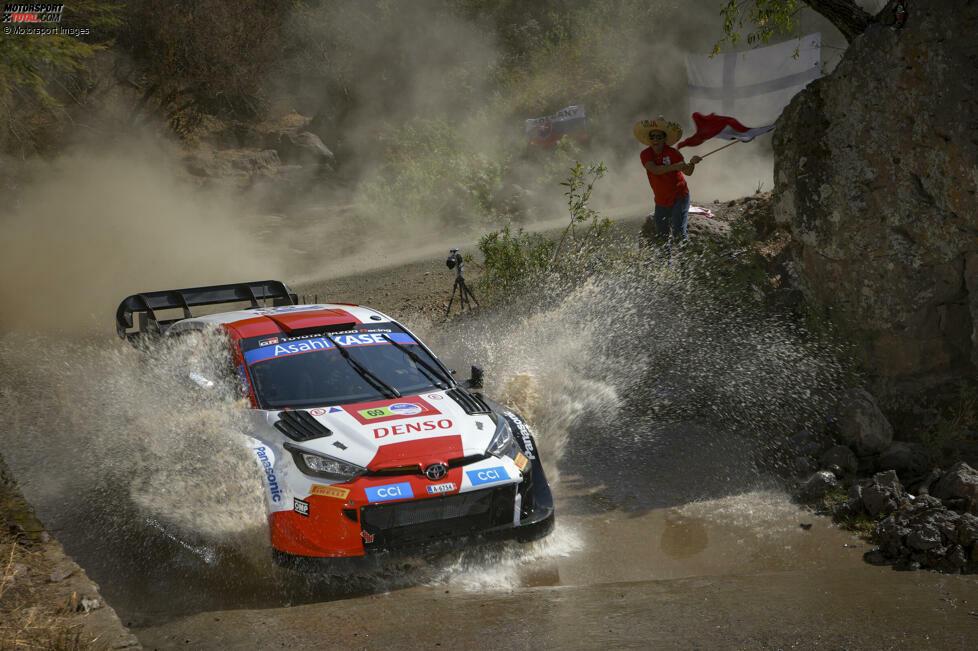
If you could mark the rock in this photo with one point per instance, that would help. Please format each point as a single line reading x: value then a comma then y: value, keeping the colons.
x: 875, y: 557
x: 907, y: 459
x: 841, y: 456
x: 891, y: 534
x: 59, y: 574
x: 922, y: 487
x: 923, y: 538
x: 884, y: 237
x: 88, y: 604
x: 883, y: 495
x: 967, y: 530
x: 959, y: 483
x: 816, y: 486
x: 303, y: 148
x: 861, y: 425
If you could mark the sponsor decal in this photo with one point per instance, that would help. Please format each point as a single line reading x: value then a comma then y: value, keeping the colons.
x: 435, y: 396
x: 388, y: 492
x: 404, y: 409
x: 268, y: 342
x: 487, y: 475
x: 329, y: 491
x: 520, y: 461
x: 338, y: 444
x: 371, y: 413
x: 437, y: 489
x: 310, y: 344
x: 478, y: 425
x: 367, y: 537
x: 524, y: 433
x: 266, y: 464
x: 408, y: 428
x: 288, y: 308
x: 300, y: 507
x: 319, y: 411
x: 334, y: 410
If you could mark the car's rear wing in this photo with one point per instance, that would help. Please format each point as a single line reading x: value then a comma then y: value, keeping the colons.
x: 147, y: 304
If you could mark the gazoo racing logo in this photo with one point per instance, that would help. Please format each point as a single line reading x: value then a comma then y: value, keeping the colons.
x: 266, y: 464
x: 408, y: 428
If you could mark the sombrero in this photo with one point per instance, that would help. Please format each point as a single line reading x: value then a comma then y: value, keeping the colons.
x: 672, y: 130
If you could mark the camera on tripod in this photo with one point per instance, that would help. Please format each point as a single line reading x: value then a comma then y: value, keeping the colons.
x: 454, y: 260
x: 465, y: 295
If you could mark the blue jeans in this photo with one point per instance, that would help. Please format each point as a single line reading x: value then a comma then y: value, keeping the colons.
x: 676, y: 215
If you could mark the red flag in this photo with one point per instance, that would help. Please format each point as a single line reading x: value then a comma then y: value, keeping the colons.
x: 720, y: 126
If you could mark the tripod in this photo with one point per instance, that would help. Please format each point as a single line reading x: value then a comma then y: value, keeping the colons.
x: 464, y: 293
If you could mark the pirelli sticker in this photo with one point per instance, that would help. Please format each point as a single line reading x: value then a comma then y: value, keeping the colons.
x: 329, y: 491
x: 520, y: 461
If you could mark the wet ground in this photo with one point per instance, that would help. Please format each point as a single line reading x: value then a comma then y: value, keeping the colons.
x: 669, y: 533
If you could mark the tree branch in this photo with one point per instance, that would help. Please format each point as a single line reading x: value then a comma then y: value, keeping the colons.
x: 848, y: 17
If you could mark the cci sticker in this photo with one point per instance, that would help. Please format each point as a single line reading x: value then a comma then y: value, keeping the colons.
x: 389, y: 492
x: 487, y: 475
x: 329, y: 491
x: 441, y: 488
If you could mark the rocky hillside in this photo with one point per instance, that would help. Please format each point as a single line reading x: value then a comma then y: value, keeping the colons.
x: 876, y: 175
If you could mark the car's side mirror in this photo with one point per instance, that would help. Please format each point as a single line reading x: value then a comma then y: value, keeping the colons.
x: 475, y: 382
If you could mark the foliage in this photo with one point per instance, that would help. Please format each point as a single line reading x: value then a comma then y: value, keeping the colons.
x: 516, y: 260
x: 768, y: 18
x: 429, y: 172
x: 513, y: 260
x: 29, y: 63
x: 203, y: 56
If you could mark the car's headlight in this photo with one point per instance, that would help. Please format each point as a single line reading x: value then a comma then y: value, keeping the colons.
x: 320, y: 465
x: 502, y: 443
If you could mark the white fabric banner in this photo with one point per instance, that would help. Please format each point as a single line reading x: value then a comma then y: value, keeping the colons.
x: 753, y: 86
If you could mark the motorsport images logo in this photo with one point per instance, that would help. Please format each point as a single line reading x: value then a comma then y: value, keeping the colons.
x: 32, y: 13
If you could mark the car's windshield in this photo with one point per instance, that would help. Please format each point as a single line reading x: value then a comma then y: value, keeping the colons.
x: 311, y: 371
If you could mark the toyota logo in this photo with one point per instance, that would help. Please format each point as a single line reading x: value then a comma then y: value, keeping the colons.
x: 436, y: 471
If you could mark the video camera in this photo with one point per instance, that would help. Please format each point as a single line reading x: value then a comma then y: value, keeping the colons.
x: 454, y: 259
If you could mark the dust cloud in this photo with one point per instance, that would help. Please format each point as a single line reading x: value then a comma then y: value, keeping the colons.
x: 96, y: 225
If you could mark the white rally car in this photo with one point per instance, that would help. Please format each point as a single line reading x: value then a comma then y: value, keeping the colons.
x: 366, y: 441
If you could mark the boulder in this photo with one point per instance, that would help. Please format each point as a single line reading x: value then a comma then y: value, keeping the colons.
x: 841, y: 456
x: 816, y: 486
x: 883, y: 495
x: 302, y: 148
x: 959, y: 485
x: 967, y: 530
x: 875, y: 177
x: 860, y: 424
x: 907, y: 459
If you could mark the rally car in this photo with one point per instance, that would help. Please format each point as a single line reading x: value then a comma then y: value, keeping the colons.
x: 365, y: 441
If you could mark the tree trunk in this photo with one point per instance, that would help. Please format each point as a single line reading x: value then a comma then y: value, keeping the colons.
x: 848, y: 17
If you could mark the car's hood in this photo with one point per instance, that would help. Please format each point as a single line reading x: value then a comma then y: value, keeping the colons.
x: 411, y: 430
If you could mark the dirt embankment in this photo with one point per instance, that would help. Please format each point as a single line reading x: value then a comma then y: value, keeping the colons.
x: 46, y: 599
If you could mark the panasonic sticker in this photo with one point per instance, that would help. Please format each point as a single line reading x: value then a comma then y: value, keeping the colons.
x: 487, y: 475
x: 400, y: 491
x: 266, y: 464
x: 322, y: 343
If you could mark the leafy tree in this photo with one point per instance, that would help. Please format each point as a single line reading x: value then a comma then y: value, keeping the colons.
x: 29, y: 63
x: 767, y: 18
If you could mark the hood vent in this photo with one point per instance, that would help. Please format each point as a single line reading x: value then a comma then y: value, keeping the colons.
x: 472, y: 403
x: 301, y: 426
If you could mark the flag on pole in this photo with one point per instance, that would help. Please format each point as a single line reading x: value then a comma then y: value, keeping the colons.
x: 721, y: 126
x: 756, y: 84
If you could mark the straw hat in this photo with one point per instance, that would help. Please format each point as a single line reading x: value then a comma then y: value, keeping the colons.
x: 672, y: 130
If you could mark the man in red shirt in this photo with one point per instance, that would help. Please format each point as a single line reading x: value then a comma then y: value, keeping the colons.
x: 665, y: 167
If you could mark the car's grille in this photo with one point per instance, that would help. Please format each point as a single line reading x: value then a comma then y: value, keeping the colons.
x: 416, y: 468
x: 437, y: 517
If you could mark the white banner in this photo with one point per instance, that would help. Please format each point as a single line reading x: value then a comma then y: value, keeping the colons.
x: 754, y: 85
